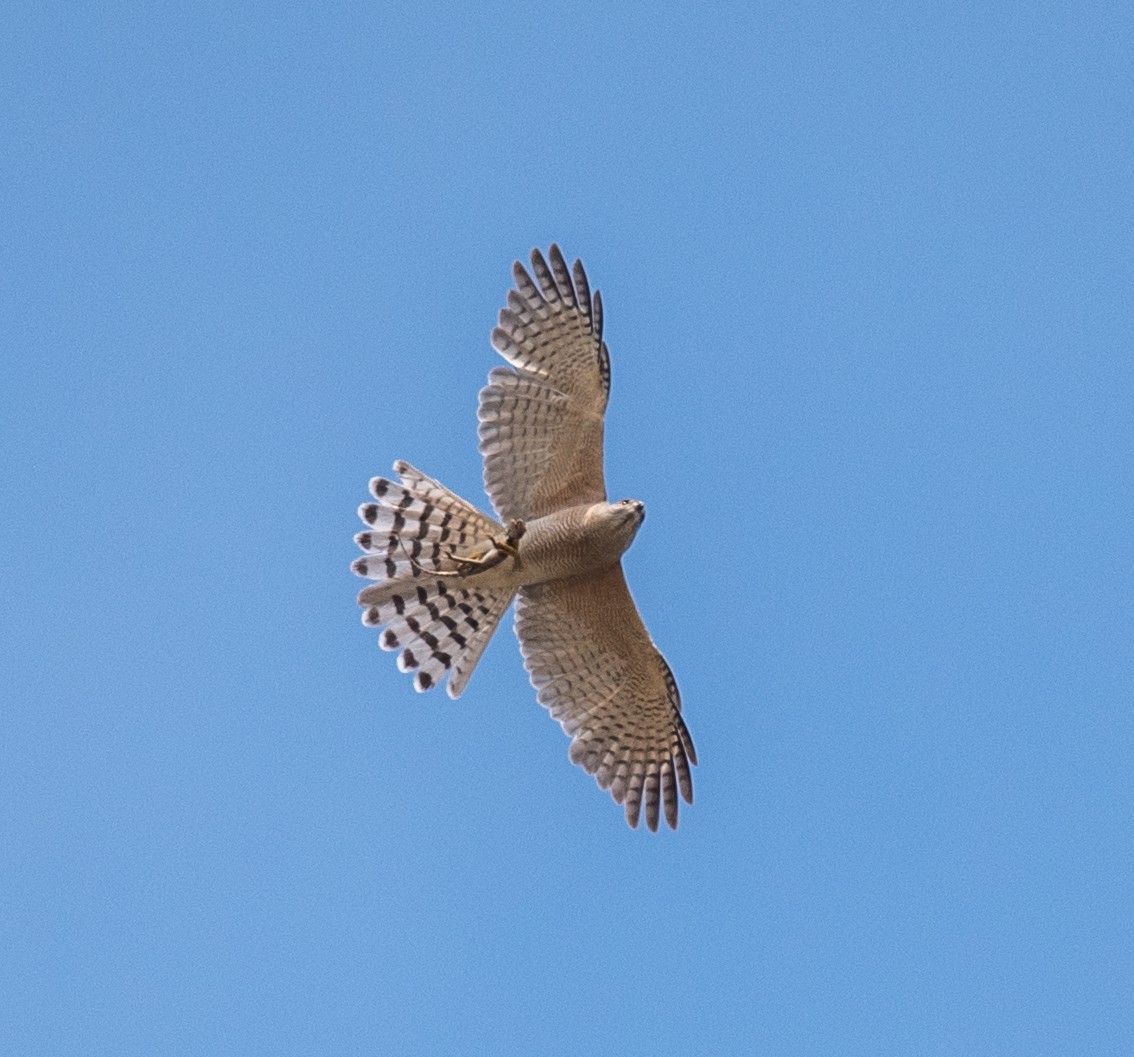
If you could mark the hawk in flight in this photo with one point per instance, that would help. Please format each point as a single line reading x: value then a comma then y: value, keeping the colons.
x: 445, y: 573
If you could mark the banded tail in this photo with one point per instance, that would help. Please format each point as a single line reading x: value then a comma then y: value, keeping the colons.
x: 440, y: 624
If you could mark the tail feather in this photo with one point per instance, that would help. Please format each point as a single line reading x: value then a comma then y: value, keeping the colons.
x: 439, y: 626
x: 407, y: 565
x: 445, y: 632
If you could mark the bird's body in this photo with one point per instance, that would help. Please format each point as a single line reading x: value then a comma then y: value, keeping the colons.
x: 446, y: 573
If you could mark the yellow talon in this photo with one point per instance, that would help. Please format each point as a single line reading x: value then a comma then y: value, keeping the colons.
x: 483, y: 559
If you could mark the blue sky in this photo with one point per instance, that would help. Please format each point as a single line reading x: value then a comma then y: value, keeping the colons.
x: 868, y: 281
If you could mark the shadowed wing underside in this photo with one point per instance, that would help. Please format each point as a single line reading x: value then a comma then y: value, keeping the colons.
x: 596, y: 670
x: 541, y: 420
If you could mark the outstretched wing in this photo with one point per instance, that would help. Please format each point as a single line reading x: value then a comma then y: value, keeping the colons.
x: 596, y: 670
x: 541, y: 420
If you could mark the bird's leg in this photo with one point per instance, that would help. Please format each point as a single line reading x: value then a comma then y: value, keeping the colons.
x: 419, y: 568
x: 509, y: 547
x: 480, y: 560
x: 511, y: 544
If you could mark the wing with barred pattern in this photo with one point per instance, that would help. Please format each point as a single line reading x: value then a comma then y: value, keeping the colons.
x: 597, y: 671
x: 541, y: 421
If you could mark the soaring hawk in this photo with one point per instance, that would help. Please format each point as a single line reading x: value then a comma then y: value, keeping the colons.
x: 446, y: 573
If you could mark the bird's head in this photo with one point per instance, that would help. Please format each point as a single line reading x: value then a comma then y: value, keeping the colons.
x: 617, y: 523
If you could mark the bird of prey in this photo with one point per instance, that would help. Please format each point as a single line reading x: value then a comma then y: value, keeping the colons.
x: 446, y: 573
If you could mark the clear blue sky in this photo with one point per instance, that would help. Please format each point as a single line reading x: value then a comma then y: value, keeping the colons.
x: 869, y: 279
